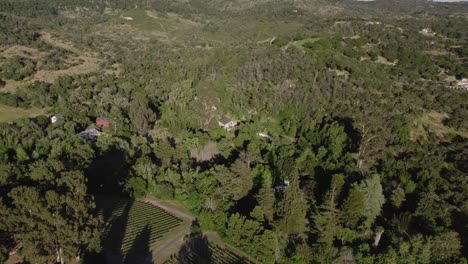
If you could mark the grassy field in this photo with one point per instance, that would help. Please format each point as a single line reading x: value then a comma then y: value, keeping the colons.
x: 132, y: 228
x: 300, y: 43
x: 9, y: 114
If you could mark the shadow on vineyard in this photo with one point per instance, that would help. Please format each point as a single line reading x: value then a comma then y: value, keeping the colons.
x: 139, y: 250
x: 132, y: 228
x: 195, y: 250
x: 198, y: 249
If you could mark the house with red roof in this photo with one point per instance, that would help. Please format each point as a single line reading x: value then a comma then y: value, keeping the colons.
x: 102, y: 122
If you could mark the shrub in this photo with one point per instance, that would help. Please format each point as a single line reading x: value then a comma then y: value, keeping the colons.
x: 164, y: 190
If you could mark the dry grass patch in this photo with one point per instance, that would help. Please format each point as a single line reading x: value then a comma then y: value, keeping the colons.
x: 432, y: 123
x: 205, y: 153
x: 436, y: 52
x: 23, y: 51
x: 11, y: 86
x: 383, y: 60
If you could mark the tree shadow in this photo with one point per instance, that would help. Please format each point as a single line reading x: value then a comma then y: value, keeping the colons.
x: 196, y: 249
x: 106, y: 173
x: 140, y: 250
x: 114, y: 233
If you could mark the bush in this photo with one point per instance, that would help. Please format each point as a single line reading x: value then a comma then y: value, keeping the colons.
x: 281, y: 41
x: 17, y: 68
x: 136, y: 187
x: 12, y: 100
x: 164, y: 190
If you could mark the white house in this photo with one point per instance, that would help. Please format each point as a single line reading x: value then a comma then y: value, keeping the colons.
x: 227, y: 123
x: 53, y: 119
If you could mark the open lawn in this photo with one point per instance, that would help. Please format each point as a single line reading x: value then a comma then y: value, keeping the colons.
x: 9, y: 114
x: 300, y: 43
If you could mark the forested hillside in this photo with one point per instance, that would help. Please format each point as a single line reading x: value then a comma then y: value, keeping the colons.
x: 348, y: 140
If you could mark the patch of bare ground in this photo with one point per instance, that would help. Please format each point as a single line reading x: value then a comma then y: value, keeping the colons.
x: 436, y: 52
x: 383, y: 60
x: 205, y: 152
x: 15, y: 259
x: 22, y: 51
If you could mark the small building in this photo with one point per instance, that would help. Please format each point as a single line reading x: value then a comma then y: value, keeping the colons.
x: 227, y: 123
x: 102, y: 122
x: 55, y: 118
x: 90, y: 133
x: 128, y: 18
x: 264, y: 135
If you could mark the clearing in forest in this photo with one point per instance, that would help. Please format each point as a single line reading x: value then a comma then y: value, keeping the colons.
x: 300, y: 43
x: 432, y: 122
x: 10, y: 114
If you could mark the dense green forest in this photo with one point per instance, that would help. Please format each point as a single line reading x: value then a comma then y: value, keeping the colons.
x: 351, y: 142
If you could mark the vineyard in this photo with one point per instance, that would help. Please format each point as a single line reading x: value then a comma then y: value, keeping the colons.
x: 132, y: 227
x: 212, y: 253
